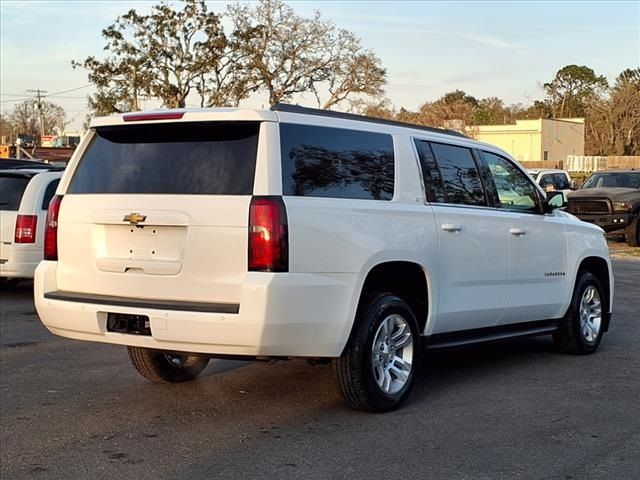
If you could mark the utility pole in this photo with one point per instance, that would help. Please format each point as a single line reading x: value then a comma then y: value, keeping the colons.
x: 40, y: 96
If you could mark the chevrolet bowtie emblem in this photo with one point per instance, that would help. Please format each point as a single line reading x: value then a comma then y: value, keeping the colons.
x: 134, y: 218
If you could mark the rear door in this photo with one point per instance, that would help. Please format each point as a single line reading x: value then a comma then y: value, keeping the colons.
x: 472, y: 245
x: 160, y: 211
x: 12, y: 187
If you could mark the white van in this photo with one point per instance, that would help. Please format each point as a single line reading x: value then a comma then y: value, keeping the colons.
x: 294, y: 232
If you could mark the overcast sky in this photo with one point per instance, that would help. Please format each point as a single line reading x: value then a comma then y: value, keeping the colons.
x: 502, y: 49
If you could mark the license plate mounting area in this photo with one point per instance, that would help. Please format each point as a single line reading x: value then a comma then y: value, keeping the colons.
x: 128, y: 323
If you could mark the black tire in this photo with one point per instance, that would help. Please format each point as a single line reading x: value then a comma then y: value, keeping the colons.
x: 355, y: 369
x: 570, y: 336
x: 632, y: 232
x: 160, y: 366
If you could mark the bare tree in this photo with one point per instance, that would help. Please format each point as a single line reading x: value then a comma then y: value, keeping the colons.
x: 354, y: 71
x: 287, y: 54
x: 613, y: 120
x: 25, y: 118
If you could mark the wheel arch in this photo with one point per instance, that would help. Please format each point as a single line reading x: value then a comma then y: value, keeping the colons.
x: 404, y: 278
x: 599, y: 267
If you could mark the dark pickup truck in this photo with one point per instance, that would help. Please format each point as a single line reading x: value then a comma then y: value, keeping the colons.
x: 611, y: 200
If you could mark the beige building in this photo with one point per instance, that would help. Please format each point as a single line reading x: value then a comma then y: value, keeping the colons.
x: 535, y: 140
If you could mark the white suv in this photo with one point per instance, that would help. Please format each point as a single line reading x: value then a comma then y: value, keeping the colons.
x: 24, y: 197
x: 190, y: 234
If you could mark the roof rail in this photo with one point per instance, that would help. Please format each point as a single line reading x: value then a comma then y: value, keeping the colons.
x: 286, y: 107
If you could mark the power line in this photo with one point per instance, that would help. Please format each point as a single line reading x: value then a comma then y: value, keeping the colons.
x: 70, y: 90
x: 55, y: 94
x: 69, y: 98
x: 16, y: 100
x: 42, y: 97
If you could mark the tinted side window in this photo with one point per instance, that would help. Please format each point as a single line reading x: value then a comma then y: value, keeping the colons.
x: 430, y: 172
x: 546, y: 181
x: 49, y: 192
x: 561, y: 182
x: 201, y: 158
x: 11, y: 190
x: 335, y: 162
x: 515, y: 190
x: 460, y: 175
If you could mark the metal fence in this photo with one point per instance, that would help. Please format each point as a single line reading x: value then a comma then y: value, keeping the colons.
x: 585, y: 163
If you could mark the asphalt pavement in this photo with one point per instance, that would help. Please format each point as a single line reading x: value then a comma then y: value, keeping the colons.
x: 77, y: 410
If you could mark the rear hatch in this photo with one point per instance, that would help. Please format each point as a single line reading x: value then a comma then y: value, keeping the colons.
x: 160, y: 211
x: 12, y: 187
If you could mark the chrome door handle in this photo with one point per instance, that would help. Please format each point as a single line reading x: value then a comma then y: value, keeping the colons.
x: 518, y: 232
x: 451, y: 227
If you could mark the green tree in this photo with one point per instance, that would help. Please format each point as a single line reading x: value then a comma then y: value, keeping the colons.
x: 161, y: 55
x: 572, y: 88
x: 458, y: 96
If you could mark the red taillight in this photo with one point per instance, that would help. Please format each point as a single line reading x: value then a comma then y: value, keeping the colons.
x: 145, y: 117
x: 26, y: 229
x: 268, y: 235
x: 51, y: 229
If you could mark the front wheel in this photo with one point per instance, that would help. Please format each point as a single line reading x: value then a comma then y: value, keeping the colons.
x: 160, y: 366
x: 377, y: 369
x: 581, y: 329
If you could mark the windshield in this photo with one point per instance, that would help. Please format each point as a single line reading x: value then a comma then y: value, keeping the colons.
x: 11, y: 190
x: 613, y: 180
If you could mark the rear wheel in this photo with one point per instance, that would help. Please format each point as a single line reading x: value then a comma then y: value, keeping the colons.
x: 581, y: 329
x: 160, y: 366
x: 377, y: 369
x: 632, y: 232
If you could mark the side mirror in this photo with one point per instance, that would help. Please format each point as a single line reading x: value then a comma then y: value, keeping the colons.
x: 556, y: 200
x: 572, y: 185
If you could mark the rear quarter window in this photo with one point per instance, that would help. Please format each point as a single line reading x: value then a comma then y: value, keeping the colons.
x: 336, y: 162
x: 11, y: 190
x: 49, y: 192
x: 206, y: 158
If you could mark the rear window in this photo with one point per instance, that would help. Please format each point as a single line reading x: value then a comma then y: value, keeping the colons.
x: 335, y: 162
x: 206, y: 158
x: 561, y: 181
x: 11, y: 190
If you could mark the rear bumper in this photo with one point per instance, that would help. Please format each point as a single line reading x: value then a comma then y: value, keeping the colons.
x: 301, y: 315
x: 22, y: 262
x: 608, y: 222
